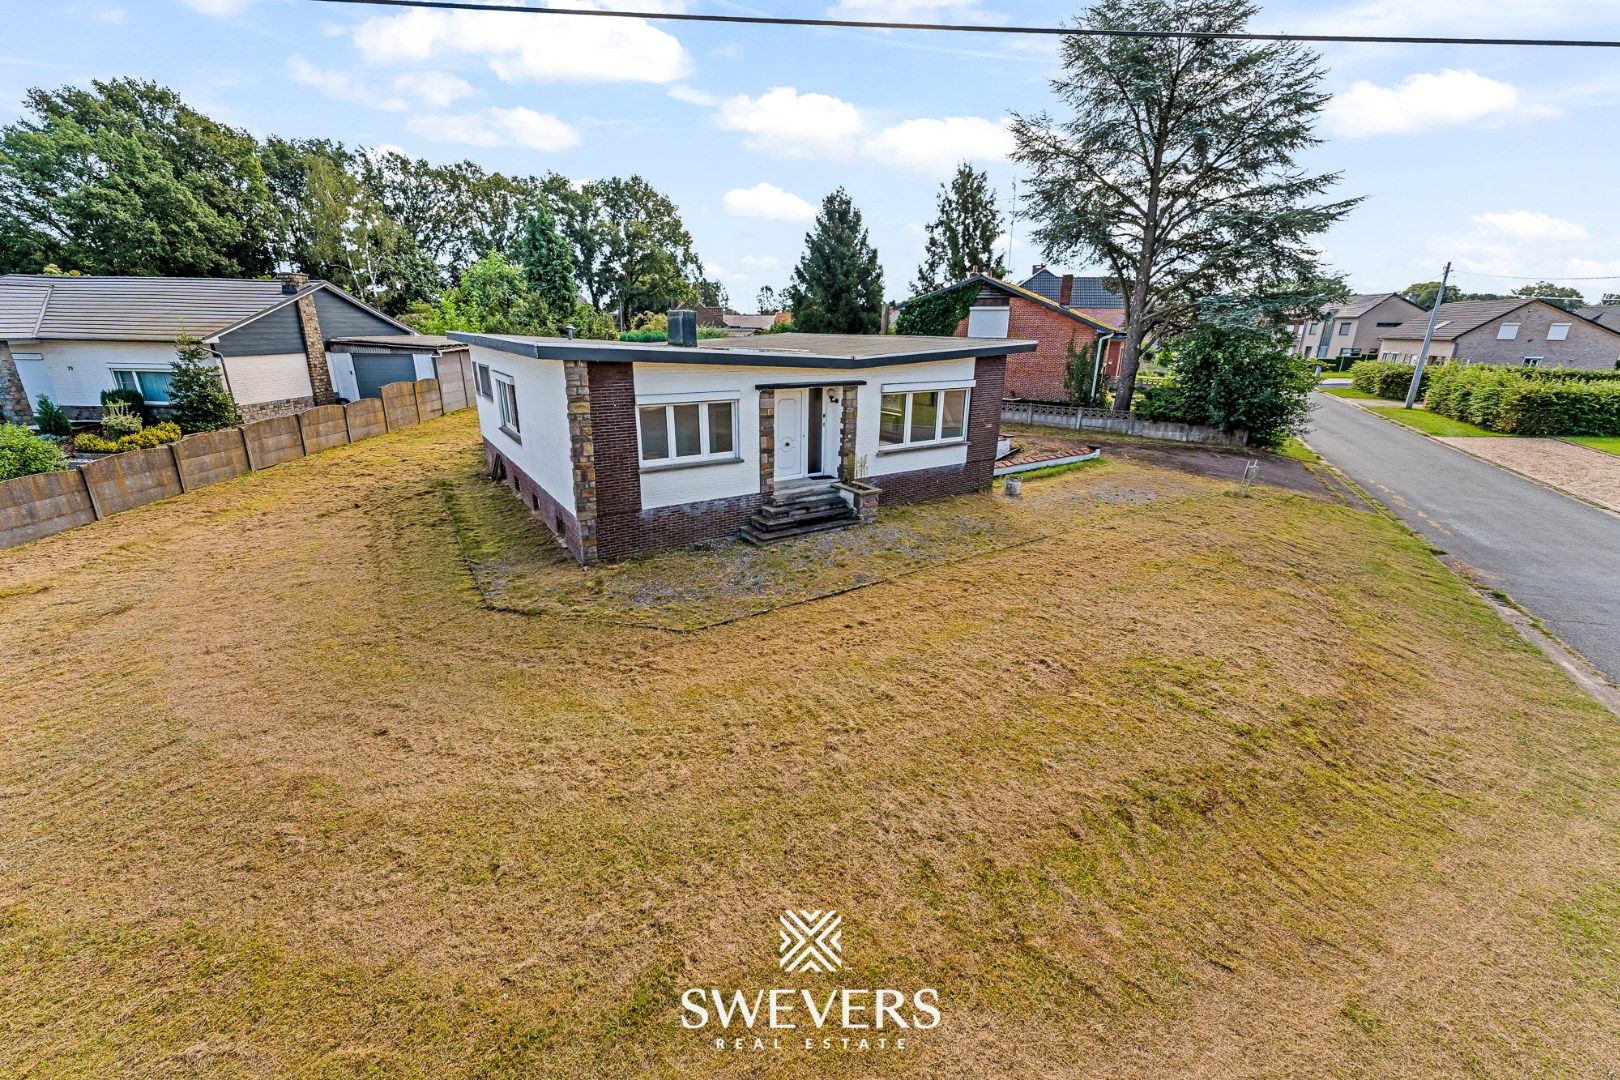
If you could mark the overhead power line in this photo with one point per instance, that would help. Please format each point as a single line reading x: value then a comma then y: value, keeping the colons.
x: 1537, y: 277
x: 973, y: 28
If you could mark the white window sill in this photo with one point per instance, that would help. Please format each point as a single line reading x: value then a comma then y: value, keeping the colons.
x: 907, y: 447
x: 676, y: 466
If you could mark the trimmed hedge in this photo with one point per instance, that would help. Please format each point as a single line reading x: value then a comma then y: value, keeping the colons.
x: 1385, y: 378
x: 144, y: 439
x: 1531, y: 402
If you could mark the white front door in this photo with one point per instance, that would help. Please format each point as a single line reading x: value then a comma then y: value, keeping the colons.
x: 792, y: 440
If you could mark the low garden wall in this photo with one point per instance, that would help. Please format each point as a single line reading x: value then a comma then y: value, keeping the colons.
x: 1070, y: 416
x: 46, y: 503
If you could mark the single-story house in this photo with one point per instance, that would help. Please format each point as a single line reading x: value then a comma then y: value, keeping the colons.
x: 280, y: 345
x: 1528, y: 332
x: 1356, y: 326
x: 1004, y: 310
x: 620, y: 447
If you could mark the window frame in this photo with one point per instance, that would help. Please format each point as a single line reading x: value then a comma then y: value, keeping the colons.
x: 483, y: 381
x: 1502, y: 333
x: 1564, y: 326
x: 135, y: 373
x: 706, y: 455
x: 1533, y: 361
x: 940, y: 439
x: 500, y: 382
x: 1345, y: 328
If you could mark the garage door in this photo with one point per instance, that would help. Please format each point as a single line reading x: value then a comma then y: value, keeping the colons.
x: 373, y: 371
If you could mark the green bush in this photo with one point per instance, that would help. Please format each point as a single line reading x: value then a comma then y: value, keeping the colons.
x: 703, y: 332
x: 1236, y: 379
x: 132, y: 398
x: 144, y: 439
x: 51, y: 419
x: 781, y: 328
x: 1386, y: 378
x: 22, y: 453
x: 197, y: 397
x: 1527, y: 401
x: 117, y: 419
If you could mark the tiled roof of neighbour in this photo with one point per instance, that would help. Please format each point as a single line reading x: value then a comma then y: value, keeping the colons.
x: 756, y: 350
x: 21, y: 307
x: 1089, y: 292
x: 1010, y: 289
x: 1602, y: 314
x: 1455, y: 320
x: 147, y: 308
x: 1357, y: 306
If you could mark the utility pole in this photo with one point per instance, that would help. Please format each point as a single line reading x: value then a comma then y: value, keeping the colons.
x: 1428, y: 339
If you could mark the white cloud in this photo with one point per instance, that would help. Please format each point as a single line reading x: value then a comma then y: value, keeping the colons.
x: 792, y: 124
x: 219, y: 7
x: 1424, y: 102
x: 498, y: 127
x: 691, y: 95
x: 1404, y: 17
x: 435, y: 89
x: 1531, y: 225
x: 343, y: 86
x: 933, y: 147
x: 789, y: 123
x: 767, y: 201
x: 762, y: 262
x: 528, y: 48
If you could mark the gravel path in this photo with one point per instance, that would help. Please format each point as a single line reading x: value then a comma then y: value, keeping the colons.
x: 1589, y: 474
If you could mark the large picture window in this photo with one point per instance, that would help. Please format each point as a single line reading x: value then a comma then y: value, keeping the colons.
x: 153, y: 386
x: 506, y: 398
x: 688, y: 431
x: 922, y: 417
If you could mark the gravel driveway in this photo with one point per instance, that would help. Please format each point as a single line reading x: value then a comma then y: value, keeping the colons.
x: 1583, y: 472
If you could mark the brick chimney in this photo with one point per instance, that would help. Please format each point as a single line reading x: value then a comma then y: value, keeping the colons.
x: 309, y: 323
x: 291, y: 283
x: 1066, y: 290
x: 1037, y: 268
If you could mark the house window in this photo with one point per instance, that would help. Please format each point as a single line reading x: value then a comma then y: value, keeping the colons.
x: 153, y: 386
x: 688, y: 431
x: 1346, y: 352
x: 1532, y: 361
x: 1344, y: 329
x: 1558, y: 331
x: 481, y: 377
x: 922, y: 417
x: 1508, y: 332
x: 1315, y: 327
x: 989, y: 322
x: 506, y: 397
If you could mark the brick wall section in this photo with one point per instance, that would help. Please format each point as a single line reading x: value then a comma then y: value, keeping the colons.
x: 767, y: 443
x: 264, y: 410
x: 548, y: 511
x: 320, y: 376
x: 850, y: 399
x: 1038, y: 376
x: 984, y: 431
x: 617, y: 463
x: 14, y: 404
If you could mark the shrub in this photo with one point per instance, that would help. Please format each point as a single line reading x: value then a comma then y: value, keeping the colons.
x: 196, y: 395
x: 22, y: 453
x: 1235, y: 379
x: 937, y: 314
x: 144, y: 439
x: 784, y: 328
x: 1527, y: 401
x: 1386, y: 378
x: 132, y: 398
x: 51, y: 419
x: 117, y: 420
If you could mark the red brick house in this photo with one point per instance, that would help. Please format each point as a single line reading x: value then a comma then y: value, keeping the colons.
x: 1004, y: 310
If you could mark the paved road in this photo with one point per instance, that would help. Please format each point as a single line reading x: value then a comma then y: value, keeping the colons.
x: 1558, y: 557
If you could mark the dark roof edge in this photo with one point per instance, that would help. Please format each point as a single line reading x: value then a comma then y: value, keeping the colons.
x: 658, y: 353
x: 308, y: 290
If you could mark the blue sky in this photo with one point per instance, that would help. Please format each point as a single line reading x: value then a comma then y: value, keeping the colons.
x: 1502, y: 160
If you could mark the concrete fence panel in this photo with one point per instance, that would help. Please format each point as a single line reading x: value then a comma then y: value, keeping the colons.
x: 210, y: 456
x: 399, y: 405
x: 322, y: 428
x: 429, y: 399
x: 136, y: 477
x: 365, y: 418
x: 270, y: 442
x: 45, y: 503
x: 455, y: 379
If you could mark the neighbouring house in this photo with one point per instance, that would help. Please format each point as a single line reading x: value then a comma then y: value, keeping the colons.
x: 1004, y: 310
x: 1516, y: 331
x: 621, y: 447
x: 1088, y: 295
x: 733, y: 323
x: 280, y: 345
x: 1604, y: 314
x: 1355, y: 327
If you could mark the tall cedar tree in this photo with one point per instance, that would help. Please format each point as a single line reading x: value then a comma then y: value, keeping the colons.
x: 1176, y: 168
x: 837, y: 288
x: 546, y: 260
x: 963, y: 233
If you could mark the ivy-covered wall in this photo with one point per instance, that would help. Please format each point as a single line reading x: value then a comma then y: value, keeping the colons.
x: 936, y: 315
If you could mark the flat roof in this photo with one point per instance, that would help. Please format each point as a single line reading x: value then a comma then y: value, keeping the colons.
x: 759, y: 350
x: 415, y: 342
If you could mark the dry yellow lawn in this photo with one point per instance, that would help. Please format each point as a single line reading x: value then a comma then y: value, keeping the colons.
x: 1198, y: 785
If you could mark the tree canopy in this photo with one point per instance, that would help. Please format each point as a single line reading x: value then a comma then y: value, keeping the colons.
x: 1175, y: 167
x: 963, y: 234
x: 837, y: 287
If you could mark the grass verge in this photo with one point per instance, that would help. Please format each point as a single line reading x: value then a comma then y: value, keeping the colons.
x: 1608, y: 444
x: 1434, y: 424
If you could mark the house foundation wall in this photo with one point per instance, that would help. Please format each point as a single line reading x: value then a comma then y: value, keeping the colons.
x: 547, y: 510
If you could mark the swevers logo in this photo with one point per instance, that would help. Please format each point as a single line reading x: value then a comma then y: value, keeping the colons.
x: 811, y: 942
x: 839, y: 1018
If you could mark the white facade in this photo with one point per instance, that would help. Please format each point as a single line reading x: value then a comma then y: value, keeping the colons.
x: 76, y: 372
x: 542, y: 449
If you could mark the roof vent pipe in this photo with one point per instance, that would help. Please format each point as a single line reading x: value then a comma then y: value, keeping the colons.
x: 569, y: 330
x: 683, y: 328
